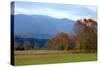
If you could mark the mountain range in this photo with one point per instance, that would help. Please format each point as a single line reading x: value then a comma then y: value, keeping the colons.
x: 40, y: 26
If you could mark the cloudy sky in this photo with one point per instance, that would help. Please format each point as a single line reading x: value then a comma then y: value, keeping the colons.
x: 59, y: 11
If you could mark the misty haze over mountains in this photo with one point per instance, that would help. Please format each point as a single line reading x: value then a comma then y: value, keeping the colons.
x: 40, y: 26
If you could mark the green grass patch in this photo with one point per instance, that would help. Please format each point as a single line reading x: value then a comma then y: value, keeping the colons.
x: 51, y: 58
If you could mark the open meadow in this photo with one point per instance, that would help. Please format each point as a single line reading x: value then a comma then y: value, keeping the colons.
x: 31, y: 57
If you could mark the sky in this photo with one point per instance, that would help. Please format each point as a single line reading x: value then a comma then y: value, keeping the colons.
x: 59, y: 11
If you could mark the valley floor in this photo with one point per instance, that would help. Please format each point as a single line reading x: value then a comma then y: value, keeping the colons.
x: 31, y: 57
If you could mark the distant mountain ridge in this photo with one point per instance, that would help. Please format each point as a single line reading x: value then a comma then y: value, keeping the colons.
x: 39, y: 25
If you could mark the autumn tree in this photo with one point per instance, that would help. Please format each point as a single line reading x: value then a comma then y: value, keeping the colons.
x: 78, y: 27
x: 36, y: 46
x: 72, y: 42
x: 49, y: 45
x: 87, y: 37
x: 81, y: 24
x: 16, y: 45
x: 26, y: 45
x: 60, y: 42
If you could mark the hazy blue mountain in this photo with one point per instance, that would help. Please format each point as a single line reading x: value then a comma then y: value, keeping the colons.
x: 39, y: 26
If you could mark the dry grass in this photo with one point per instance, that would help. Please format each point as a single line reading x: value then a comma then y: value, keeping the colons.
x: 46, y: 57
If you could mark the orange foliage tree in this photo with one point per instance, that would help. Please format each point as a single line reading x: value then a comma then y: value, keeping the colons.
x: 60, y: 42
x: 26, y: 45
x: 87, y: 36
x: 36, y: 46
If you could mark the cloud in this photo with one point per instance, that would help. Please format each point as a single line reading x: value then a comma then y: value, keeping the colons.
x: 54, y: 10
x: 92, y: 8
x: 43, y: 11
x: 21, y: 11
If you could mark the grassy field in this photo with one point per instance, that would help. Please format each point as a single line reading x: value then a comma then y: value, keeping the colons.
x: 48, y: 57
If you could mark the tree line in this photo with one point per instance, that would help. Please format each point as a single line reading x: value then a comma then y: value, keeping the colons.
x: 84, y: 38
x: 26, y: 46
